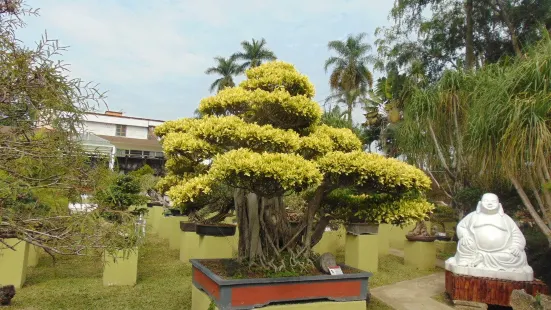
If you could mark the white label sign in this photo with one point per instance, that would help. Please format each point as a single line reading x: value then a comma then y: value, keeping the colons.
x: 335, y: 270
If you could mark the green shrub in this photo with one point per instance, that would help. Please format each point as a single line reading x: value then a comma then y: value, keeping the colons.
x: 538, y: 252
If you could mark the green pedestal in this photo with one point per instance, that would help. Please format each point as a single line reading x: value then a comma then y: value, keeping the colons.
x: 331, y: 242
x: 362, y: 252
x: 420, y: 255
x: 384, y: 238
x: 174, y: 231
x: 123, y: 270
x: 154, y: 218
x: 13, y: 264
x: 189, y: 244
x: 32, y: 256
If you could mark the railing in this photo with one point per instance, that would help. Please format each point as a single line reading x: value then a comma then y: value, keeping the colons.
x: 139, y: 154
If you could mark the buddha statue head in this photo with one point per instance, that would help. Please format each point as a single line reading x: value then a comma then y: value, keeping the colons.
x: 489, y: 204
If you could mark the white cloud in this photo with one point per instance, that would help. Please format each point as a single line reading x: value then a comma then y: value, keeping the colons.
x: 128, y: 44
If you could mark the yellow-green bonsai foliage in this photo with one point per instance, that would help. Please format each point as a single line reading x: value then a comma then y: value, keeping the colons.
x: 263, y: 139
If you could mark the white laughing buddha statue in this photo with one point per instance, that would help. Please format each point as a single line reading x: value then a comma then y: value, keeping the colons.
x: 490, y: 245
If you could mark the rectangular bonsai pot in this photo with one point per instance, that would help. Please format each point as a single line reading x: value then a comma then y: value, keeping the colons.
x: 241, y: 294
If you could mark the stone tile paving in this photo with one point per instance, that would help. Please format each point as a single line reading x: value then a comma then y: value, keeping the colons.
x: 413, y: 294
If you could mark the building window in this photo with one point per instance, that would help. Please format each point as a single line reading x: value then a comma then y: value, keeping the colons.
x: 120, y: 131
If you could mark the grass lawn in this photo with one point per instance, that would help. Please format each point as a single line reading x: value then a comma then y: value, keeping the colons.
x: 163, y: 282
x: 445, y: 250
x: 76, y: 283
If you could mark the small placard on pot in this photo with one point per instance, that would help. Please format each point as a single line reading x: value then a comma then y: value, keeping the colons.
x: 335, y: 270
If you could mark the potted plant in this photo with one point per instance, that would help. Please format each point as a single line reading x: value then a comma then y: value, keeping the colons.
x: 114, y: 197
x: 7, y: 292
x: 443, y: 214
x: 363, y: 213
x: 420, y: 233
x: 263, y: 141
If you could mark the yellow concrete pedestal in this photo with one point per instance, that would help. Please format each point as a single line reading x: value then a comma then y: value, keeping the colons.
x: 32, y: 256
x: 154, y: 218
x: 397, y: 236
x: 123, y: 270
x: 201, y: 301
x: 384, y: 238
x: 215, y: 247
x: 193, y: 245
x: 362, y: 252
x: 13, y: 264
x: 420, y: 255
x: 331, y: 242
x: 174, y: 231
x: 164, y: 226
x: 189, y: 244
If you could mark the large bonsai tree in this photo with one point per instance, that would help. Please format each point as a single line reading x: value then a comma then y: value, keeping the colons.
x: 263, y: 139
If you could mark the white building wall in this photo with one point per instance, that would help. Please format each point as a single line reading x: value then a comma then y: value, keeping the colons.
x: 136, y: 132
x: 100, y: 128
x: 120, y: 120
x: 106, y: 125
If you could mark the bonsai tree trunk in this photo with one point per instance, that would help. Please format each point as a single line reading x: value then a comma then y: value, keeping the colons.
x: 265, y: 232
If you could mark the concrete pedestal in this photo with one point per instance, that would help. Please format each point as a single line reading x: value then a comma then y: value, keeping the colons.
x: 174, y: 231
x: 193, y: 245
x: 123, y: 270
x: 331, y: 242
x: 384, y: 238
x: 164, y: 226
x: 189, y: 244
x: 362, y: 252
x: 215, y: 247
x: 154, y: 218
x: 397, y: 236
x: 201, y: 301
x: 32, y: 256
x: 13, y: 264
x: 420, y: 255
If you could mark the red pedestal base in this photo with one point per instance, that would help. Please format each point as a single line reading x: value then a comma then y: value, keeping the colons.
x: 487, y: 290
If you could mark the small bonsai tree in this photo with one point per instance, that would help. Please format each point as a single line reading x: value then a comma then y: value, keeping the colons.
x: 148, y: 183
x: 263, y: 139
x: 117, y: 194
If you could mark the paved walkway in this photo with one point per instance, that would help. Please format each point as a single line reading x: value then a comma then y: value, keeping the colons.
x: 413, y: 294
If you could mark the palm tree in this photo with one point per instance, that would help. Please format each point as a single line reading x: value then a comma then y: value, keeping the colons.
x: 254, y: 53
x: 227, y: 68
x: 350, y: 72
x: 349, y: 98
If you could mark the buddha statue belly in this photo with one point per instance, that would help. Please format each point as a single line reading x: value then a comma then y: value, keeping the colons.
x: 491, y: 238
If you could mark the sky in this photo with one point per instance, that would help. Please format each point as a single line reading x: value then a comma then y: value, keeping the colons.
x: 150, y: 56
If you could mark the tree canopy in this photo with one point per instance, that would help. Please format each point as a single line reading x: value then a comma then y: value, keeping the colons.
x: 42, y: 165
x: 264, y: 139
